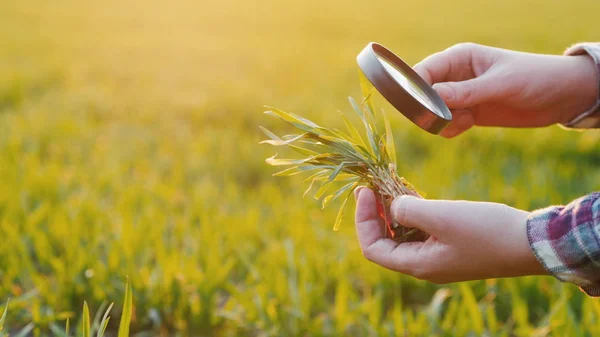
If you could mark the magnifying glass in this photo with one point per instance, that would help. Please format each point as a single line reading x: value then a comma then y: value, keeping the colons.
x: 400, y: 85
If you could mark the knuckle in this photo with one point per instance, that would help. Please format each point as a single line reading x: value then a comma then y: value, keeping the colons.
x: 467, y: 91
x: 465, y: 46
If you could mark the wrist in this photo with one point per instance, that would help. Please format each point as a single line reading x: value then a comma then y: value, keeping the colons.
x: 582, y: 90
x: 587, y: 55
x: 525, y: 261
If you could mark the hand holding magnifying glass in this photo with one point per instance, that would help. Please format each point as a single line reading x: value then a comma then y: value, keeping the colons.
x: 480, y: 85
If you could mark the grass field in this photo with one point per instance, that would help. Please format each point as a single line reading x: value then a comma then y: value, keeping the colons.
x: 129, y: 148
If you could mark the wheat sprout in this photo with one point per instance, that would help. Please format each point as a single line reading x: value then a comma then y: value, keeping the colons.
x: 347, y: 159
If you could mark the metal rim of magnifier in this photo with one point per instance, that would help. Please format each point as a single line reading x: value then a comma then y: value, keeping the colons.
x: 394, y: 93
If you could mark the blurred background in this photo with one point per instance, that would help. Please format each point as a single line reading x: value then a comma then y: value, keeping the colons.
x: 129, y: 149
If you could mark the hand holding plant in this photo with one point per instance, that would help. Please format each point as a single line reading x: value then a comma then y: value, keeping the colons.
x: 469, y: 240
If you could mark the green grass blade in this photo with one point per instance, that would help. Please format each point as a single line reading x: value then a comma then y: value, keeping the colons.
x: 67, y: 327
x: 312, y: 179
x: 127, y: 311
x: 274, y: 161
x: 26, y: 331
x: 305, y: 120
x: 340, y: 215
x: 301, y: 124
x: 292, y: 171
x: 470, y: 304
x: 104, y: 321
x: 332, y: 197
x: 303, y: 151
x: 281, y: 142
x: 389, y: 139
x: 85, y: 324
x: 373, y: 147
x: 102, y: 328
x: 3, y: 318
x: 98, y: 316
x: 367, y: 90
x: 269, y: 133
x: 353, y: 132
x: 323, y: 189
x: 337, y: 171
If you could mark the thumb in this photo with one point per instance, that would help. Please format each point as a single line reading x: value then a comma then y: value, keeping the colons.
x: 464, y: 94
x: 431, y: 216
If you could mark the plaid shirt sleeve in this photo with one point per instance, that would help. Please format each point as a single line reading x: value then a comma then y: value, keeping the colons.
x: 566, y: 240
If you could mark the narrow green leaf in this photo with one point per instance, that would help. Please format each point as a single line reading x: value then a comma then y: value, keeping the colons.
x: 104, y: 322
x: 288, y: 172
x: 305, y: 120
x: 367, y: 90
x: 470, y: 304
x: 282, y: 162
x: 337, y: 171
x: 85, y: 324
x: 312, y: 182
x: 67, y: 328
x: 98, y: 316
x: 269, y: 133
x: 312, y: 178
x: 3, y: 318
x: 340, y: 215
x: 332, y: 197
x: 127, y: 311
x: 25, y: 331
x: 281, y: 142
x: 374, y: 148
x: 292, y: 171
x: 341, y: 177
x: 321, y: 191
x: 317, y: 175
x: 103, y: 326
x: 273, y: 161
x: 390, y: 147
x: 294, y: 121
x: 353, y: 132
x: 303, y: 151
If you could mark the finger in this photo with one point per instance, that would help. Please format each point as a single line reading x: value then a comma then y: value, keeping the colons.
x: 435, y: 217
x: 434, y: 68
x: 369, y: 227
x: 462, y: 120
x: 452, y: 64
x: 374, y: 246
x: 400, y: 257
x: 466, y: 94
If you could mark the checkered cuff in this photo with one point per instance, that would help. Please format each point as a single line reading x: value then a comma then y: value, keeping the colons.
x: 566, y: 241
x: 582, y: 121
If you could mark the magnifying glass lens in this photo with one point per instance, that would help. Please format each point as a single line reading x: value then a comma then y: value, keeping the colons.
x: 411, y: 87
x: 404, y: 88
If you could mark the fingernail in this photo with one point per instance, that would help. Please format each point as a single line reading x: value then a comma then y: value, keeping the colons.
x: 444, y: 90
x: 357, y: 191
